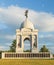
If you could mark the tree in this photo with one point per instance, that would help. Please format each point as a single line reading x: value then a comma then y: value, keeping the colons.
x: 27, y: 51
x: 44, y: 49
x: 13, y: 46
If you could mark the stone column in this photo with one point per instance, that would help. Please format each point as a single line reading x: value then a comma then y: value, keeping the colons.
x: 32, y: 41
x: 22, y: 43
x: 17, y: 42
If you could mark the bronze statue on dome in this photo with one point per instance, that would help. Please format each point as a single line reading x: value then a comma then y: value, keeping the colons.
x: 26, y: 13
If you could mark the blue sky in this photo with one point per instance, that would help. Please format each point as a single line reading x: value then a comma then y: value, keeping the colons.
x: 38, y: 5
x: 12, y: 15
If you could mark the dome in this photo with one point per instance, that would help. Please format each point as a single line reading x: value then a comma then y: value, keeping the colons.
x: 27, y: 24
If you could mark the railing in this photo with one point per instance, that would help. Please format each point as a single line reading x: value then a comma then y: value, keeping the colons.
x: 26, y: 55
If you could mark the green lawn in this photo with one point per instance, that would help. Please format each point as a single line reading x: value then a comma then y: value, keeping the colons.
x: 26, y: 62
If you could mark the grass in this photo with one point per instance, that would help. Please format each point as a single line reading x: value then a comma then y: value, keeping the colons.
x: 26, y: 62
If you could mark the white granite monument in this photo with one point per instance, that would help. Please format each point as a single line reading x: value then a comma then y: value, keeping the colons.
x: 27, y: 32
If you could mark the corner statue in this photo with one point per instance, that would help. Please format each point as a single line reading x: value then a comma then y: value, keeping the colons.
x: 26, y: 13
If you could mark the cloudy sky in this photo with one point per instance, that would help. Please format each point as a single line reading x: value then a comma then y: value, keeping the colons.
x: 41, y: 14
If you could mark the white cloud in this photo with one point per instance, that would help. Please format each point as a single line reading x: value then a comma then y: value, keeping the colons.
x: 10, y: 37
x: 8, y: 44
x: 3, y: 48
x: 13, y: 16
x: 46, y: 36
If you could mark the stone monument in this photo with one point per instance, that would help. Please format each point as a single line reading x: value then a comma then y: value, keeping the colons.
x: 25, y: 32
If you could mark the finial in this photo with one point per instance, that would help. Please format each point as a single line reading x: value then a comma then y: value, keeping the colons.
x: 26, y: 13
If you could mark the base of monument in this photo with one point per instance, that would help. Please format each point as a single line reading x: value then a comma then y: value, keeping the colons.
x: 10, y: 55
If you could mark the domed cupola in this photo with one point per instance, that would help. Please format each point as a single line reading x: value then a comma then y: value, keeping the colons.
x: 27, y: 24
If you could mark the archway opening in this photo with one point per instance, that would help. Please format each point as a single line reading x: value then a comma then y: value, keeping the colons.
x: 27, y: 45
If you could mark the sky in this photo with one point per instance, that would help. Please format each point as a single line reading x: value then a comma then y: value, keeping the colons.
x: 41, y: 14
